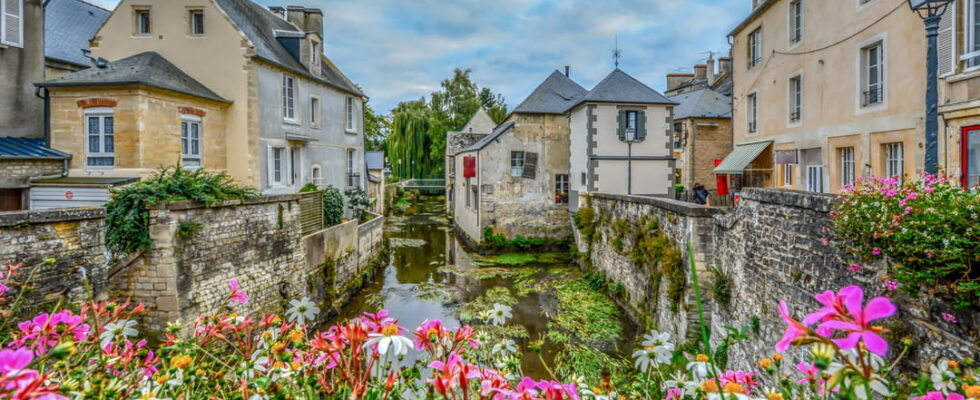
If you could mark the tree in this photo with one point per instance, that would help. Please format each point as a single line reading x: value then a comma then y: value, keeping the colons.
x: 494, y: 104
x: 376, y: 128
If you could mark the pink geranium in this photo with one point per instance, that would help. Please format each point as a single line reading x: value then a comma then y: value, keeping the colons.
x: 19, y: 382
x: 939, y: 396
x: 845, y: 311
x: 236, y: 294
x: 794, y: 329
x: 45, y: 331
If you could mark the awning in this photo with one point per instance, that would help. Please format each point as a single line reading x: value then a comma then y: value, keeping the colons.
x: 741, y: 157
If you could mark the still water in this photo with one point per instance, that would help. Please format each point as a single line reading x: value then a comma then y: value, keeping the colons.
x: 430, y: 275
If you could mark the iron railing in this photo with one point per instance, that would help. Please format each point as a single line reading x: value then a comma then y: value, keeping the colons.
x: 874, y: 96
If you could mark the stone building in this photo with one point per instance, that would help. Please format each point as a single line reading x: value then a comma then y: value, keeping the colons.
x: 827, y: 91
x: 705, y: 76
x: 376, y: 179
x: 479, y: 125
x: 702, y: 134
x: 622, y: 139
x: 959, y: 100
x: 515, y: 181
x: 21, y: 64
x: 23, y: 160
x: 68, y: 26
x: 292, y: 116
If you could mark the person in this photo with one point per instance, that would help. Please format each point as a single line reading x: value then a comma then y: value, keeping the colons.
x: 700, y: 194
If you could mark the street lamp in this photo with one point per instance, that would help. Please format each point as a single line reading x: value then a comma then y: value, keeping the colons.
x: 931, y: 12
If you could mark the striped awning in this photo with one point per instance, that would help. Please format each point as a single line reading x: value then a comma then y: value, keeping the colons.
x: 741, y: 157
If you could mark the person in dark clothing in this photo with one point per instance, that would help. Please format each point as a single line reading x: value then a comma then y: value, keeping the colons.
x: 700, y: 194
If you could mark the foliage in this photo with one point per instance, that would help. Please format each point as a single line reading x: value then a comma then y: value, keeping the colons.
x: 309, y: 187
x: 358, y: 202
x: 495, y: 241
x: 518, y: 259
x: 188, y: 229
x: 333, y: 207
x: 416, y: 145
x: 377, y: 127
x: 584, y: 220
x: 586, y: 313
x: 127, y: 212
x: 926, y: 230
x: 721, y: 286
x: 494, y: 104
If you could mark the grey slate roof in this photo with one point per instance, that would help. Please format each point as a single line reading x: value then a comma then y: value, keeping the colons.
x: 480, y: 144
x: 149, y: 68
x: 68, y: 26
x: 375, y: 160
x: 704, y: 103
x: 259, y: 24
x: 28, y: 148
x: 620, y: 87
x: 553, y: 96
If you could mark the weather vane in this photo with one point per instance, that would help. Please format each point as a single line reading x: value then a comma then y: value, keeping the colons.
x: 617, y: 52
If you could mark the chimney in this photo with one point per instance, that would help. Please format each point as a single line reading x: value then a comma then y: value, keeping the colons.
x: 724, y: 65
x: 314, y: 21
x: 676, y: 80
x: 711, y: 70
x: 296, y: 16
x: 281, y: 12
x: 700, y: 72
x: 568, y: 69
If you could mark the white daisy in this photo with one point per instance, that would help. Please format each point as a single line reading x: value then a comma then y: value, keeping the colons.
x: 504, y: 347
x: 114, y: 330
x: 657, y: 343
x: 389, y: 338
x: 942, y: 377
x: 302, y: 311
x: 699, y: 367
x: 499, y: 314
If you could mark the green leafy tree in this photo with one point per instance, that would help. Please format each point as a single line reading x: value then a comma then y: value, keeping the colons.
x: 377, y: 127
x: 494, y: 104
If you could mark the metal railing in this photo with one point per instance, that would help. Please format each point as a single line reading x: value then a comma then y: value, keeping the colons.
x: 354, y: 180
x: 874, y: 96
x: 427, y: 184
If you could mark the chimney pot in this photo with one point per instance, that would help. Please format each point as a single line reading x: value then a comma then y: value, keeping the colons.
x: 567, y: 70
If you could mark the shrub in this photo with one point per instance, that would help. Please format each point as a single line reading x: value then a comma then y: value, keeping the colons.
x: 926, y: 230
x: 357, y: 202
x: 127, y: 212
x: 333, y: 206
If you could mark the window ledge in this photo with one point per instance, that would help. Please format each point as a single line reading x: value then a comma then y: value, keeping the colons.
x: 291, y: 122
x: 965, y: 75
x: 350, y: 131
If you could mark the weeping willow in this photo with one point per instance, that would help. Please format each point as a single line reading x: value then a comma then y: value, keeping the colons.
x: 417, y: 141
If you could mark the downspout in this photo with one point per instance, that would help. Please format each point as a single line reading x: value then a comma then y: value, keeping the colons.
x: 731, y: 125
x: 47, y: 112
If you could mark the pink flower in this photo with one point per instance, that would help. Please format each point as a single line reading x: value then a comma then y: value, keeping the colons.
x: 939, y: 396
x: 793, y: 328
x: 825, y: 241
x: 876, y: 251
x: 674, y: 394
x: 891, y: 286
x: 45, y: 331
x: 237, y: 295
x: 855, y: 320
x: 949, y: 318
x: 811, y: 373
x: 855, y: 268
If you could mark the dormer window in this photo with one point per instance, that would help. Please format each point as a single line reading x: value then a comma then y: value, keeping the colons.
x: 317, y: 52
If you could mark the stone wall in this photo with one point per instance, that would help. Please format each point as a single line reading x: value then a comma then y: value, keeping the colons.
x: 17, y: 173
x: 74, y: 242
x: 772, y: 247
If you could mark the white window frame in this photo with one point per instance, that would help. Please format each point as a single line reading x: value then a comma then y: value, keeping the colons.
x: 755, y: 47
x: 862, y: 73
x: 350, y: 126
x: 316, y: 175
x: 787, y: 175
x: 972, y: 51
x: 794, y: 91
x: 894, y: 159
x: 563, y: 184
x: 289, y: 98
x: 315, y: 112
x: 752, y: 114
x: 192, y: 27
x: 100, y: 113
x: 796, y: 17
x: 632, y: 122
x: 814, y: 178
x: 5, y: 19
x: 352, y: 168
x: 187, y: 122
x: 138, y: 27
x: 316, y: 51
x: 517, y: 161
x: 283, y: 167
x: 847, y: 167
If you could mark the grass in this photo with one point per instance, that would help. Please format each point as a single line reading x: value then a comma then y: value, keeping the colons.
x: 519, y: 259
x: 576, y: 360
x: 584, y: 313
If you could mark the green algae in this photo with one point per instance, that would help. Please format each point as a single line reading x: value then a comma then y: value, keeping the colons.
x: 518, y: 259
x: 584, y: 313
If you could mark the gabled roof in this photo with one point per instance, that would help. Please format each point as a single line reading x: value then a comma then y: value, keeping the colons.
x: 149, y: 68
x: 259, y: 26
x: 480, y: 122
x: 68, y: 26
x: 704, y: 103
x: 375, y: 160
x: 480, y: 144
x: 553, y: 96
x: 620, y: 87
x: 28, y: 148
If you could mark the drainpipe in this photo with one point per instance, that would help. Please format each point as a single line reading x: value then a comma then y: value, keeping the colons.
x: 47, y: 112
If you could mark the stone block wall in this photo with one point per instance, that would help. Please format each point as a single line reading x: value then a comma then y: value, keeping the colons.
x: 73, y: 239
x: 17, y: 173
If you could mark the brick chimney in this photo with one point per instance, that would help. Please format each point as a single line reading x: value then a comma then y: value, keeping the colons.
x: 676, y: 80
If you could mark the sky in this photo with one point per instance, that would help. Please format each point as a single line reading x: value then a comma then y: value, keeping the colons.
x: 401, y: 50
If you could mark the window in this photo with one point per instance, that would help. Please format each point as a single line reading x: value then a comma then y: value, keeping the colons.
x: 561, y: 188
x: 467, y: 189
x: 751, y: 109
x: 678, y: 135
x: 476, y: 196
x: 795, y: 99
x: 142, y: 22
x: 894, y: 160
x: 353, y: 178
x: 787, y: 174
x: 973, y: 34
x: 795, y: 21
x: 277, y: 166
x: 755, y: 48
x: 814, y: 178
x: 100, y: 131
x: 847, y: 166
x: 971, y: 158
x: 196, y: 20
x: 315, y: 112
x: 631, y: 125
x: 294, y: 159
x: 190, y: 141
x: 516, y: 163
x: 350, y: 114
x: 12, y: 22
x: 873, y: 74
x: 288, y: 98
x: 315, y: 56
x: 316, y: 175
x: 584, y: 179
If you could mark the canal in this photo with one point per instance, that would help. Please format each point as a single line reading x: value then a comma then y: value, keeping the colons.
x: 561, y: 325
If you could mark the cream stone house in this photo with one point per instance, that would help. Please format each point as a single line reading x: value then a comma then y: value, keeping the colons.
x: 515, y: 180
x: 959, y: 100
x: 291, y: 116
x: 622, y: 140
x: 825, y: 92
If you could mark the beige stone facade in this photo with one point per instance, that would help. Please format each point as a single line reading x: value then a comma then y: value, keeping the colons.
x: 959, y: 88
x: 843, y: 98
x: 707, y: 139
x: 147, y: 124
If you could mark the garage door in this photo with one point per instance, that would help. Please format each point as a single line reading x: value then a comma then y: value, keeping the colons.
x: 43, y: 198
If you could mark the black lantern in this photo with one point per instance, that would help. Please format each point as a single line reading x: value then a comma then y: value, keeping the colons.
x: 931, y: 12
x: 929, y: 8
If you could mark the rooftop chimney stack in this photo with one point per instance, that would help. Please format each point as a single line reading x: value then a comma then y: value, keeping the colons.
x: 296, y: 16
x: 724, y: 65
x: 700, y: 72
x: 711, y: 70
x: 675, y: 81
x: 314, y: 21
x: 281, y: 12
x: 568, y: 69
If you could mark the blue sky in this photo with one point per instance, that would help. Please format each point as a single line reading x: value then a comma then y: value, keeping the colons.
x: 401, y: 50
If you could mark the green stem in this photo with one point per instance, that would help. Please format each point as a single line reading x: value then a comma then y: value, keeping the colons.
x: 705, y: 335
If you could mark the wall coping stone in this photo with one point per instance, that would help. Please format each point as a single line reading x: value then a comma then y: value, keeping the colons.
x: 191, y: 204
x: 32, y: 217
x: 677, y: 206
x: 791, y: 198
x: 378, y: 219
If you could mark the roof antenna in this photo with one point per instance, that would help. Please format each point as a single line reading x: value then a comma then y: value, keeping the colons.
x: 617, y: 53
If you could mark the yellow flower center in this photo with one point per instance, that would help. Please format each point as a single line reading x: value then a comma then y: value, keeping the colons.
x: 732, y: 387
x: 431, y: 332
x: 709, y: 387
x: 181, y: 361
x: 390, y: 330
x: 775, y: 396
x: 297, y: 335
x: 701, y: 358
x: 953, y: 364
x: 765, y: 363
x: 777, y: 357
x: 650, y: 347
x: 972, y: 392
x: 278, y: 347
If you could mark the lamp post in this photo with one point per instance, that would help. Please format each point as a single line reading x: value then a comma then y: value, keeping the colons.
x: 931, y: 12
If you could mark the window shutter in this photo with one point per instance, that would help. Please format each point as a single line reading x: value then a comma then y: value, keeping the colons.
x: 530, y: 165
x: 621, y: 130
x: 945, y: 48
x: 13, y: 22
x: 641, y: 125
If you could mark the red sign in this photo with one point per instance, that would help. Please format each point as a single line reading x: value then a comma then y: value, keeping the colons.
x: 69, y: 194
x: 469, y: 167
x: 721, y: 181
